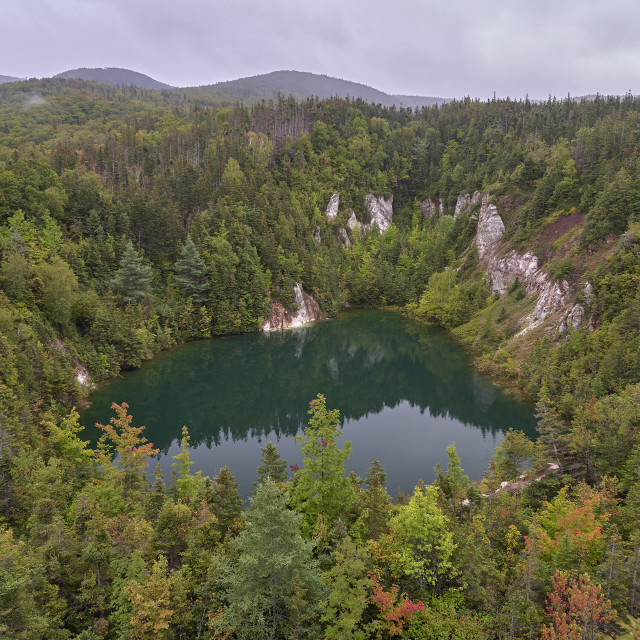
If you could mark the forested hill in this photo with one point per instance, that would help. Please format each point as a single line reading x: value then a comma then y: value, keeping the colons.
x: 302, y: 85
x: 4, y: 79
x: 114, y: 76
x: 270, y: 86
x: 133, y: 220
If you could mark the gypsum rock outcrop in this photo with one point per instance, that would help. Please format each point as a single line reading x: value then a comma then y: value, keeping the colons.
x: 466, y: 202
x: 503, y: 270
x: 332, y: 207
x: 307, y: 310
x: 381, y: 212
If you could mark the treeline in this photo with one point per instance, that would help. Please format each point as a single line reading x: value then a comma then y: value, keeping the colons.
x: 97, y: 550
x: 131, y: 221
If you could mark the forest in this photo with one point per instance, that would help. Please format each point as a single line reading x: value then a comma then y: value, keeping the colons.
x: 134, y: 220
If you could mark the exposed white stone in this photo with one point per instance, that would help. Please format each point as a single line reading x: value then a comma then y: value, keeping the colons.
x: 343, y: 237
x: 332, y: 207
x: 588, y: 293
x: 316, y: 236
x: 82, y: 377
x: 429, y: 208
x: 307, y: 310
x: 442, y: 207
x: 490, y: 228
x: 381, y: 211
x: 576, y: 316
x: 503, y: 270
x: 463, y: 203
x: 476, y: 198
x: 353, y: 222
x: 552, y: 296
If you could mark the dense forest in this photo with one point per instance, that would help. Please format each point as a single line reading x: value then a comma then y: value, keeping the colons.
x: 134, y: 220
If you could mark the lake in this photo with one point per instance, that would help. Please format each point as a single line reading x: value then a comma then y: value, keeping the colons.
x: 404, y: 391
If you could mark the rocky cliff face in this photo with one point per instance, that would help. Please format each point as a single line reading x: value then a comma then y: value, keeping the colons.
x: 353, y: 223
x: 381, y: 211
x: 332, y: 207
x: 429, y: 208
x: 504, y: 269
x: 343, y: 237
x: 466, y: 202
x: 490, y: 229
x: 307, y: 310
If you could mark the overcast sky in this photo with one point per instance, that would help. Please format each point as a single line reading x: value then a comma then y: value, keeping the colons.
x: 445, y: 48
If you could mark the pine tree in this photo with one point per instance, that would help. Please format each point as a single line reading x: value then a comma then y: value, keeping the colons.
x: 226, y: 502
x: 551, y: 439
x: 133, y: 279
x: 270, y: 573
x: 423, y: 544
x: 349, y: 593
x: 273, y: 466
x: 321, y: 488
x: 191, y: 272
x: 376, y: 503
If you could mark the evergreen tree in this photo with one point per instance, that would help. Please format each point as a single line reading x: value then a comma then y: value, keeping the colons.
x: 321, y: 488
x: 271, y: 570
x: 273, y: 466
x: 551, y: 439
x: 133, y: 279
x: 191, y: 272
x: 423, y: 544
x: 349, y: 587
x: 376, y: 503
x: 226, y: 502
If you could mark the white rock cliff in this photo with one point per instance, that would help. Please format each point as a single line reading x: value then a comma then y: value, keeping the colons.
x: 466, y: 202
x: 503, y: 270
x: 381, y: 211
x: 332, y: 207
x: 307, y: 310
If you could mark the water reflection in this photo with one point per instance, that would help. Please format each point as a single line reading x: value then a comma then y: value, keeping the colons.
x: 403, y: 390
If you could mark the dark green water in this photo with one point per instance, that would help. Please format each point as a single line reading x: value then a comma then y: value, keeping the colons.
x: 404, y: 392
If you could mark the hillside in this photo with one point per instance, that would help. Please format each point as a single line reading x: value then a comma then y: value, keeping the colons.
x: 133, y: 221
x: 114, y: 76
x: 303, y: 85
x: 4, y: 79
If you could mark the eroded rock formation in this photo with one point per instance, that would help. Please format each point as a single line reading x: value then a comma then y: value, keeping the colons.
x: 490, y: 229
x: 503, y: 270
x: 466, y: 202
x: 429, y: 208
x: 332, y: 207
x: 306, y: 310
x: 381, y: 211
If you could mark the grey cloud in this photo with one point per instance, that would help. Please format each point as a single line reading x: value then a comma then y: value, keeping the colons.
x: 428, y: 47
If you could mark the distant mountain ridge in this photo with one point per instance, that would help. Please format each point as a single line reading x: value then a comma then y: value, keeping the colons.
x: 4, y: 79
x: 115, y: 76
x: 302, y: 84
x: 268, y: 86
